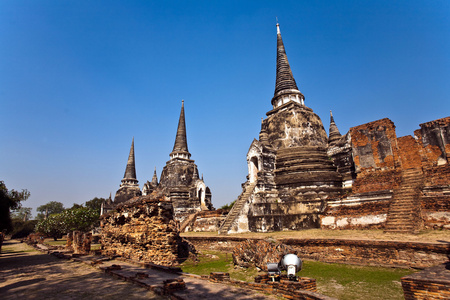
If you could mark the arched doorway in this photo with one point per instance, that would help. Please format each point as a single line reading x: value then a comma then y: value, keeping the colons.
x: 254, y: 169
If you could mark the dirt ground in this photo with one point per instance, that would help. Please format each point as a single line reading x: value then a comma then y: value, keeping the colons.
x: 28, y: 274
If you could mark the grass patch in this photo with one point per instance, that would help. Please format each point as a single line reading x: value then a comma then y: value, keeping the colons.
x: 208, y: 261
x: 52, y: 242
x: 96, y: 246
x: 335, y: 280
x: 10, y: 250
x: 355, y: 282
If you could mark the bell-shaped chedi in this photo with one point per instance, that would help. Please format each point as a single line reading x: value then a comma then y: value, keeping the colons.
x: 299, y: 138
x: 180, y: 180
x: 290, y: 175
x: 291, y: 123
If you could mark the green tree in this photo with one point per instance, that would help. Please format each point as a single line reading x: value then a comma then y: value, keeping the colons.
x: 53, y: 226
x: 9, y: 200
x: 95, y: 204
x: 22, y: 228
x: 23, y: 213
x: 53, y: 207
x: 76, y: 205
x: 228, y: 206
x: 82, y: 219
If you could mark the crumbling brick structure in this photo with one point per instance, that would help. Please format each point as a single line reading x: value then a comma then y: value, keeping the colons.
x: 405, y: 180
x: 143, y: 230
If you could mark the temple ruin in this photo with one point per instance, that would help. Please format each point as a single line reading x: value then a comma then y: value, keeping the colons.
x: 299, y: 177
x: 179, y: 181
x: 368, y: 178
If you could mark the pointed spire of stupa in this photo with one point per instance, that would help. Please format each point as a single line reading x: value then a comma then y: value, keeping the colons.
x: 154, y: 178
x: 130, y: 171
x: 334, y: 131
x: 129, y: 178
x: 180, y: 148
x: 285, y: 86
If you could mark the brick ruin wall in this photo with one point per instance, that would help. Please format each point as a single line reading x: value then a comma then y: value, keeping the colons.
x: 208, y: 220
x: 410, y: 152
x: 432, y: 283
x: 358, y: 252
x: 379, y: 158
x: 142, y: 230
x: 370, y: 215
x: 375, y: 154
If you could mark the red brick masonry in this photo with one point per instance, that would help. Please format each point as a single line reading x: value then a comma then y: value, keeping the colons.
x: 358, y: 252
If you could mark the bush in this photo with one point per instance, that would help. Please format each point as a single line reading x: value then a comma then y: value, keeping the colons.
x: 22, y: 228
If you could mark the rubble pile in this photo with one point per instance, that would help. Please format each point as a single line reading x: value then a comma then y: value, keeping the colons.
x: 143, y: 230
x: 259, y: 253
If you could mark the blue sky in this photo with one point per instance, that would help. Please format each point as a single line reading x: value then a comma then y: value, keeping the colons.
x: 79, y: 79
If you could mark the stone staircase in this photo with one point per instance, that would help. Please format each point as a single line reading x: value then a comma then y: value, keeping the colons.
x: 189, y: 221
x: 236, y: 209
x: 404, y: 210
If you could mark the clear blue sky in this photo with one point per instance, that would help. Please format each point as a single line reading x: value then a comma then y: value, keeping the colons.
x: 79, y: 79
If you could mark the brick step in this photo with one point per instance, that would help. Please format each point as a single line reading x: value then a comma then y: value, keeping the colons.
x: 400, y: 226
x: 400, y: 221
x: 407, y: 190
x: 410, y: 186
x: 401, y: 213
x: 400, y: 217
x: 397, y: 227
x: 405, y: 197
x: 412, y: 182
x: 403, y: 204
x: 405, y: 216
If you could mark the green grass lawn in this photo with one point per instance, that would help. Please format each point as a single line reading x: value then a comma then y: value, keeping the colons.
x: 52, y: 242
x: 335, y: 280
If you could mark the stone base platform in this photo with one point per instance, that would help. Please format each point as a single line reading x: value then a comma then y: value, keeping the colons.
x: 431, y: 283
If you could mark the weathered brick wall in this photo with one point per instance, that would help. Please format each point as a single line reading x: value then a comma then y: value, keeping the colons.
x: 435, y: 211
x: 377, y: 180
x: 208, y: 220
x: 374, y: 145
x: 435, y: 139
x: 373, y: 253
x: 410, y: 152
x: 438, y: 175
x: 425, y: 289
x: 358, y: 252
x: 371, y: 215
x: 142, y: 230
x: 432, y: 283
x: 375, y: 154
